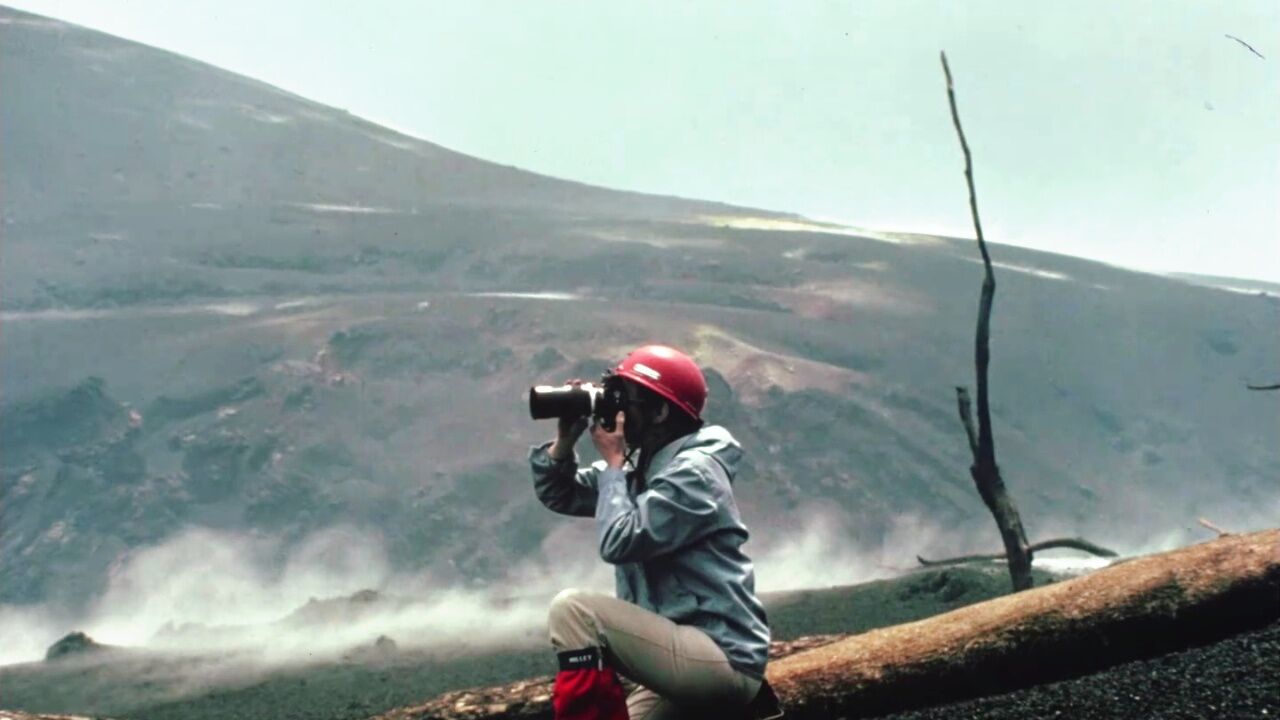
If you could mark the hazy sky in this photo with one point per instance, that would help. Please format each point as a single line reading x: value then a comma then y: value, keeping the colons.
x: 1132, y: 132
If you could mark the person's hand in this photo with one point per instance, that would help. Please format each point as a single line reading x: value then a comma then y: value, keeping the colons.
x: 567, y: 433
x: 612, y: 446
x: 568, y: 430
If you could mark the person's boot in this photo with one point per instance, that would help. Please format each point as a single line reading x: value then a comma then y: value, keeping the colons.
x: 586, y: 688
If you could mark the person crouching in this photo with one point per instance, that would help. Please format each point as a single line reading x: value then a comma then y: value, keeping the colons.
x: 686, y: 624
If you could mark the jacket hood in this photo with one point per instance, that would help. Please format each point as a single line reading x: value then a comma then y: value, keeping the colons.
x: 713, y: 440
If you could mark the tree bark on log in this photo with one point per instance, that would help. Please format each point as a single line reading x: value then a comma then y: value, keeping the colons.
x: 1056, y: 543
x: 985, y: 471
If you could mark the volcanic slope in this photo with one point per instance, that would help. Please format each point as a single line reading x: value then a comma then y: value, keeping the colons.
x: 226, y: 306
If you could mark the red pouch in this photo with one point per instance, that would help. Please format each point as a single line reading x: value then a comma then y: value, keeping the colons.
x: 587, y: 689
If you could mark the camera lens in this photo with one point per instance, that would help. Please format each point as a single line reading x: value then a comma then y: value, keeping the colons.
x: 565, y: 401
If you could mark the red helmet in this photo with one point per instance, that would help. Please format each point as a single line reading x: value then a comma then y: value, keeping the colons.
x: 668, y: 372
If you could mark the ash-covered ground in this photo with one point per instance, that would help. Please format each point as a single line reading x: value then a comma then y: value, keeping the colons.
x: 1236, y: 678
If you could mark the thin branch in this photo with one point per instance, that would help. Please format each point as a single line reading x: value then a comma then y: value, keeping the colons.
x: 1070, y: 543
x: 1263, y: 387
x: 1215, y: 528
x: 1255, y: 52
x: 1075, y: 544
x: 968, y: 162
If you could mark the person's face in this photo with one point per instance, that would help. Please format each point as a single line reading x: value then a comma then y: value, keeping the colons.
x: 633, y: 394
x: 640, y: 417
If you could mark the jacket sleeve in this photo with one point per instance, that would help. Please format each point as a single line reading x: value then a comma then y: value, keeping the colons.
x: 560, y: 485
x: 681, y: 505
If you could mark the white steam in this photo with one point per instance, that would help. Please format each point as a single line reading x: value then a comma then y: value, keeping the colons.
x: 27, y: 631
x: 824, y: 554
x: 212, y: 578
x: 209, y: 591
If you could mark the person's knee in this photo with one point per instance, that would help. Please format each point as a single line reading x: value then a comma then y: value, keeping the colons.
x: 565, y: 606
x: 570, y: 616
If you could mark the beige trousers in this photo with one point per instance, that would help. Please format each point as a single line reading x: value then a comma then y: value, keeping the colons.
x: 677, y: 666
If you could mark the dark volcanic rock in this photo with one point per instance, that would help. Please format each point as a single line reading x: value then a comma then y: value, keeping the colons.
x: 380, y: 650
x: 348, y: 609
x: 167, y: 408
x: 61, y: 418
x: 76, y: 643
x: 1236, y: 678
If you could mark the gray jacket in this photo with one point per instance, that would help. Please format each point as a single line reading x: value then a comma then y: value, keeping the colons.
x: 676, y: 541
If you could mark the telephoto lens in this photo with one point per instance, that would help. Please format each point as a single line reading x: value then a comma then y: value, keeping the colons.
x: 564, y: 401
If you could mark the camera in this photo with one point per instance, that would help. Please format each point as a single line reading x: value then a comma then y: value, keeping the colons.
x: 601, y: 402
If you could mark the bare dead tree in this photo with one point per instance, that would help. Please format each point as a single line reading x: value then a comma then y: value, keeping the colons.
x: 985, y: 472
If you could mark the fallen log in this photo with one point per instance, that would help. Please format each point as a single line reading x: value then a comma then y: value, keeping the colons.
x: 1056, y: 543
x: 1143, y: 607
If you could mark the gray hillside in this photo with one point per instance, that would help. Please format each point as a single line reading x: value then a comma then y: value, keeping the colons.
x: 229, y: 307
